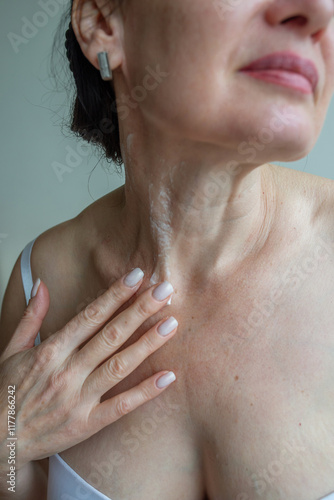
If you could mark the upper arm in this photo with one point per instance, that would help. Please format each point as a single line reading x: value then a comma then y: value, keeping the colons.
x: 13, y: 305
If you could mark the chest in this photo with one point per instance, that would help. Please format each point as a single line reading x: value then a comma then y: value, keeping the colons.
x: 251, y: 413
x: 268, y: 431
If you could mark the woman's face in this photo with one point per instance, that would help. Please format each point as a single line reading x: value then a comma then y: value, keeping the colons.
x: 199, y: 46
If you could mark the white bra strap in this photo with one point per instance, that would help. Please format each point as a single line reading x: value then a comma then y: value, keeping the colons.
x: 27, y: 276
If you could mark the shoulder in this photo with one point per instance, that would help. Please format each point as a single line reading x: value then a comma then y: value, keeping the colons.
x: 69, y: 244
x: 63, y: 258
x: 309, y: 203
x: 53, y: 251
x: 318, y: 199
x: 311, y: 192
x: 61, y: 251
x: 296, y: 182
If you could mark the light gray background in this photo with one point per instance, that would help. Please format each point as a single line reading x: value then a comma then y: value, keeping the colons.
x: 32, y: 197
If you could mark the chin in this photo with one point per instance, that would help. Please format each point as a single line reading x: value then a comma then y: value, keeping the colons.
x: 292, y: 150
x: 297, y: 137
x: 264, y: 144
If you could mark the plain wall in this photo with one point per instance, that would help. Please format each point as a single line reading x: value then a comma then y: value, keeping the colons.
x: 32, y: 197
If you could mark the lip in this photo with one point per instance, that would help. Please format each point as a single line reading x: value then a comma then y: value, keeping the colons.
x: 284, y: 63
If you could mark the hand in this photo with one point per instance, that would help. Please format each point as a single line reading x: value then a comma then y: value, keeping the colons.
x: 58, y: 386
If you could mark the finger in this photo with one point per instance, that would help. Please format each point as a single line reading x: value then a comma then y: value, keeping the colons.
x: 112, y: 409
x: 93, y: 316
x: 31, y: 322
x: 122, y: 364
x: 120, y: 328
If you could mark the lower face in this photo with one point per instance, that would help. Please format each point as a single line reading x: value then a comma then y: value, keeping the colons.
x: 189, y: 60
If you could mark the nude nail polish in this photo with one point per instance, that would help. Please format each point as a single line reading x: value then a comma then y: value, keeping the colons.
x: 165, y: 380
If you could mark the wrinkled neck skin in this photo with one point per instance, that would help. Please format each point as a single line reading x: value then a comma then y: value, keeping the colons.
x: 188, y: 218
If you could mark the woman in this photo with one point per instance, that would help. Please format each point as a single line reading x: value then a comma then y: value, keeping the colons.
x: 246, y: 245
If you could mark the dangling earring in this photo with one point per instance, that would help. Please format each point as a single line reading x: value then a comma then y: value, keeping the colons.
x: 105, y: 70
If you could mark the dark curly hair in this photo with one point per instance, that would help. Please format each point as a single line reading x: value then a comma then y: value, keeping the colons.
x: 93, y: 114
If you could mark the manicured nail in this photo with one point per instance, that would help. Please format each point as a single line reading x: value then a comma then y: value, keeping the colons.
x: 163, y: 290
x: 34, y: 289
x: 165, y: 380
x: 167, y: 326
x: 133, y: 277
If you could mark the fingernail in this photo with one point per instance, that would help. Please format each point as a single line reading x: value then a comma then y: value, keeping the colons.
x: 165, y: 380
x: 167, y: 326
x: 34, y: 289
x: 163, y: 290
x: 133, y: 277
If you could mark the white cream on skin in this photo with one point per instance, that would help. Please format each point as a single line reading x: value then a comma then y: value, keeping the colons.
x: 161, y: 229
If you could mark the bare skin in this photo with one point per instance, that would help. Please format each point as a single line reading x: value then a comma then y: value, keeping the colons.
x: 252, y: 410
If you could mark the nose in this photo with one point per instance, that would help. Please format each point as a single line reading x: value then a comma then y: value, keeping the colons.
x: 307, y: 17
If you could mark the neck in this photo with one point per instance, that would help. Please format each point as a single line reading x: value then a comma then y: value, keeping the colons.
x: 187, y: 223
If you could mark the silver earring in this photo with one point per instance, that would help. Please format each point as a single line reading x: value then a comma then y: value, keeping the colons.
x: 105, y: 70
